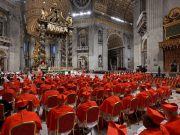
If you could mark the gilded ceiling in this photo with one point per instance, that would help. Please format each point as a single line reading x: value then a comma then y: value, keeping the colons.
x: 33, y: 11
x: 114, y: 41
x: 117, y: 8
x: 122, y: 9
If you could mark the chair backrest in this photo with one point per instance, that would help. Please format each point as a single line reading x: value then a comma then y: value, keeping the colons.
x: 117, y: 108
x: 147, y: 101
x: 52, y: 101
x: 134, y: 104
x: 92, y: 114
x: 66, y: 122
x: 8, y: 97
x: 60, y: 89
x: 1, y: 111
x: 99, y: 94
x: 24, y: 128
x: 30, y: 106
x: 155, y: 97
x: 71, y: 98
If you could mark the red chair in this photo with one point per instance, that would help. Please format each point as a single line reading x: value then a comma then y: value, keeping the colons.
x: 24, y: 128
x: 30, y: 106
x: 8, y: 97
x: 65, y: 123
x: 91, y: 120
x: 133, y: 107
x: 116, y: 111
x: 51, y: 102
x: 99, y: 96
x: 61, y: 89
x: 71, y: 100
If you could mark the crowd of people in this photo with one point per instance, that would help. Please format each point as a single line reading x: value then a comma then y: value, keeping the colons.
x: 89, y: 101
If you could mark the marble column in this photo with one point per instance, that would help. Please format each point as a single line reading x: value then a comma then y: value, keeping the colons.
x: 155, y: 31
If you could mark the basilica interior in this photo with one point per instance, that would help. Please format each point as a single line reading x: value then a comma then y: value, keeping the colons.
x: 104, y: 35
x: 92, y: 44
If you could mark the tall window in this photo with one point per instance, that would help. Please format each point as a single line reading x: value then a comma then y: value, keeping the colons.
x: 100, y: 36
x: 142, y: 5
x: 83, y: 38
x: 3, y: 24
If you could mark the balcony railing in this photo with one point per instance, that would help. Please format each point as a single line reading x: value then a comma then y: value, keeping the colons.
x: 5, y: 39
x: 142, y: 23
x: 83, y: 48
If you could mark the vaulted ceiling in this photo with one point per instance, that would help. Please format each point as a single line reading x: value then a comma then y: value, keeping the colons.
x: 117, y: 8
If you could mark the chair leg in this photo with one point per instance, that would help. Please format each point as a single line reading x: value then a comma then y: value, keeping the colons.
x: 136, y: 117
x: 128, y: 121
x: 73, y: 131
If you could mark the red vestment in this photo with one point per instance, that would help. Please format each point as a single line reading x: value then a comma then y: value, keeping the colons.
x: 172, y: 127
x: 48, y: 94
x: 23, y: 116
x: 55, y: 113
x: 29, y: 97
x: 108, y: 104
x: 116, y: 129
x: 153, y: 131
x: 82, y: 109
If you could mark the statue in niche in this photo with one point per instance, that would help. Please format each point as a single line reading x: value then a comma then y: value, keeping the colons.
x: 83, y: 44
x: 83, y: 62
x: 100, y: 60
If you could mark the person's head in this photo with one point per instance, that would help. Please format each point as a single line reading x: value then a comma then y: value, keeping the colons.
x: 21, y: 104
x: 85, y: 96
x: 170, y: 110
x: 61, y: 99
x: 148, y: 85
x: 26, y: 89
x: 152, y: 118
x: 142, y: 87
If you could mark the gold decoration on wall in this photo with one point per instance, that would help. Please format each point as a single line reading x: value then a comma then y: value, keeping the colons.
x: 36, y: 54
x: 34, y: 11
x: 173, y: 15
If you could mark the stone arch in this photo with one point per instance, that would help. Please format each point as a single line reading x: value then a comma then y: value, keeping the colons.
x: 115, y: 51
x: 3, y: 58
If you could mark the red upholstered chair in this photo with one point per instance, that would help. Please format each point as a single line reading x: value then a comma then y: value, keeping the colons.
x: 51, y: 102
x: 116, y: 111
x: 30, y: 106
x: 144, y: 104
x: 114, y: 115
x: 24, y: 128
x: 8, y: 97
x: 65, y: 123
x: 61, y: 89
x: 133, y: 107
x: 71, y: 100
x: 99, y: 96
x: 92, y: 118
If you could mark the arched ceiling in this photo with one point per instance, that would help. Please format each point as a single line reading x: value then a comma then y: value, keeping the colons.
x: 114, y: 41
x: 117, y: 8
